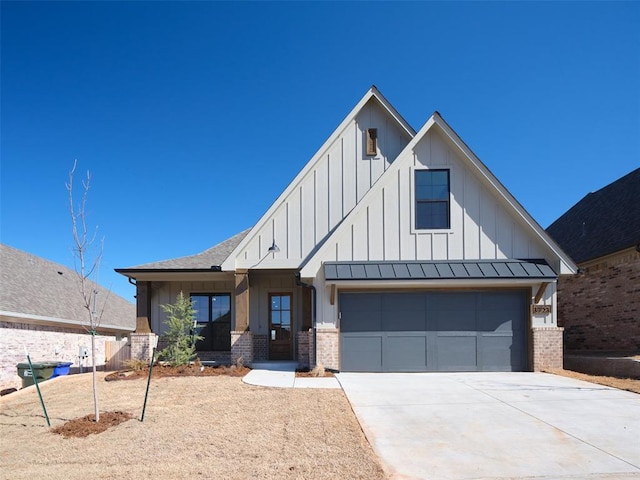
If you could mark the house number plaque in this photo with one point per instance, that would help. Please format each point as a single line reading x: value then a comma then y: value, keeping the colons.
x: 541, y: 309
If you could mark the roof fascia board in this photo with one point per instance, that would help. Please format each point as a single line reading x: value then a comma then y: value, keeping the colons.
x: 392, y: 111
x: 506, y: 195
x: 59, y: 321
x: 229, y: 263
x: 126, y: 271
x: 438, y: 283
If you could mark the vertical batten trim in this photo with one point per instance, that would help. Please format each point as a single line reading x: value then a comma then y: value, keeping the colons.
x: 352, y: 243
x: 355, y: 156
x: 495, y: 230
x: 480, y: 220
x: 315, y: 208
x: 302, y: 254
x: 368, y: 236
x: 342, y: 176
x: 287, y: 228
x: 399, y: 206
x: 384, y: 240
x: 328, y: 193
x: 464, y: 208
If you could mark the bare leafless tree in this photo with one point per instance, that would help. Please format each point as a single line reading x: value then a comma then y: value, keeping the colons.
x: 87, y: 256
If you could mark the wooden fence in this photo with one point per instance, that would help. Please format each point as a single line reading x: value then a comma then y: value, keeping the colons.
x: 117, y: 352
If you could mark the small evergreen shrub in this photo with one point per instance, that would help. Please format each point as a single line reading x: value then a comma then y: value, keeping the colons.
x: 180, y: 341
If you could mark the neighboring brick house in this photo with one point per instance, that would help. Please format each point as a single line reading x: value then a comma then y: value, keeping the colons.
x: 391, y: 250
x: 41, y: 310
x: 599, y: 307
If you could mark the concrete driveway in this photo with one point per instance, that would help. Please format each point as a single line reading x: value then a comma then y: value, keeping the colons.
x: 497, y: 425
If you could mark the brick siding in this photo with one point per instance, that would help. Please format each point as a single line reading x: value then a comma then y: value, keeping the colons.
x: 41, y: 342
x: 328, y: 348
x: 547, y: 348
x: 600, y: 308
x: 260, y: 350
x: 305, y: 341
x: 142, y: 345
x: 242, y: 346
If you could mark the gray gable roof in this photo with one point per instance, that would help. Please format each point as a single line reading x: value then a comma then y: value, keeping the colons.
x: 212, y: 257
x: 603, y: 222
x: 33, y: 288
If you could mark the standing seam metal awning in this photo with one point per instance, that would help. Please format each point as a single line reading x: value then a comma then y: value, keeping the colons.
x: 461, y: 269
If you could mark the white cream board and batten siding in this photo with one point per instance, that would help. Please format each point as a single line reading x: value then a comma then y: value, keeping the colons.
x: 486, y: 222
x: 481, y: 228
x: 325, y: 191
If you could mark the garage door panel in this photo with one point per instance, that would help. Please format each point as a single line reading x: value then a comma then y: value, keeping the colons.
x: 402, y: 312
x: 500, y: 311
x: 434, y: 331
x: 362, y: 353
x: 364, y: 312
x: 452, y: 312
x: 499, y: 351
x: 457, y: 353
x: 405, y: 353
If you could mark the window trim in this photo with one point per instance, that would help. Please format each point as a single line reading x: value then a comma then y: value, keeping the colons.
x: 414, y: 200
x: 371, y: 142
x: 211, y: 321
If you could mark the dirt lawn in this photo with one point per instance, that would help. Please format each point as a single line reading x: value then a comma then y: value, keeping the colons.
x: 194, y: 427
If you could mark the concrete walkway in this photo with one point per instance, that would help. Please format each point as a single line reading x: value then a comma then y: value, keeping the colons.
x: 282, y: 375
x: 497, y: 425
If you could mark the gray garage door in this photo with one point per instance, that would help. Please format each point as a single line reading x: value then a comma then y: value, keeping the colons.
x: 433, y: 331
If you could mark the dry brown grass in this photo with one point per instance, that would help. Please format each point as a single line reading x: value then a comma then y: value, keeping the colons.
x: 195, y: 427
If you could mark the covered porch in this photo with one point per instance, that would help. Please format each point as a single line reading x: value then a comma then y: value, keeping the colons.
x: 252, y: 315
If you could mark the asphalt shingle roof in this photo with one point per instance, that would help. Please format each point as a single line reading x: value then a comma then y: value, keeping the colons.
x: 213, y: 256
x: 32, y: 285
x: 603, y: 222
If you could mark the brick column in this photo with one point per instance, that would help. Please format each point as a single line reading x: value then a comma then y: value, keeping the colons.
x: 547, y: 348
x: 328, y: 347
x: 303, y: 357
x: 142, y: 345
x: 242, y: 346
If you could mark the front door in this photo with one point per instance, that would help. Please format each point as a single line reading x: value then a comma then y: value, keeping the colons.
x: 280, y: 333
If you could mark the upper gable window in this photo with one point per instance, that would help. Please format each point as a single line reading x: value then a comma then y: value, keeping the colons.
x: 432, y: 199
x: 372, y: 141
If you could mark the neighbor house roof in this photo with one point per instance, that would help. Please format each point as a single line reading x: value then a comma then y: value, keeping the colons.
x: 210, y: 258
x: 36, y: 290
x: 603, y: 222
x: 435, y: 270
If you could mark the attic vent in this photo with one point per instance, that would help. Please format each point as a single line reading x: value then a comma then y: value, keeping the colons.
x: 372, y: 141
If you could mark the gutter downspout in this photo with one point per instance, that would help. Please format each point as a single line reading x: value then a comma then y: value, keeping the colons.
x: 300, y: 283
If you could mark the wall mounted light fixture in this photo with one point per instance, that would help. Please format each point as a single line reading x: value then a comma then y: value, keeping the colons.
x: 273, y: 248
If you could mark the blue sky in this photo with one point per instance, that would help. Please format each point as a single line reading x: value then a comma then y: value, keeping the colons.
x: 194, y: 116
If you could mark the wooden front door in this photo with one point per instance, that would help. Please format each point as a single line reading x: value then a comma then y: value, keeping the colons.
x: 280, y: 323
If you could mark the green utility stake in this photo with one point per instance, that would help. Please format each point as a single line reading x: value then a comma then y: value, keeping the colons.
x: 146, y: 395
x: 35, y: 381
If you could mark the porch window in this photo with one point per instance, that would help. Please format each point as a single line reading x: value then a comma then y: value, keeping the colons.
x: 432, y: 199
x: 213, y: 321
